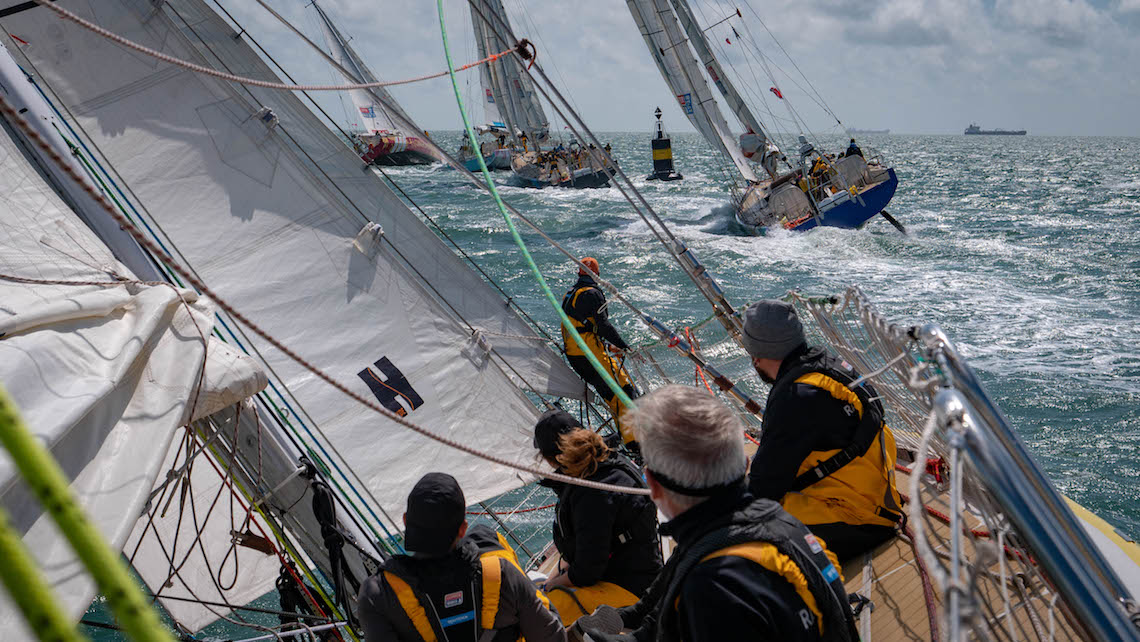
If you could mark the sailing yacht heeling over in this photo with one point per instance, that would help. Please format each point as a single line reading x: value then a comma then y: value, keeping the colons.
x: 814, y: 190
x: 496, y: 150
x: 510, y: 93
x: 381, y: 141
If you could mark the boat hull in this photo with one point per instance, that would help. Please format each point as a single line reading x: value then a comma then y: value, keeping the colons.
x: 398, y: 150
x: 500, y: 159
x: 851, y: 214
x: 580, y: 179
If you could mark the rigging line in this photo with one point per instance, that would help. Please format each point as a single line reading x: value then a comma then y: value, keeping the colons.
x: 790, y: 59
x: 14, y: 117
x: 471, y: 176
x: 253, y: 82
x: 554, y: 303
x: 510, y: 300
x: 596, y: 153
x: 353, y: 204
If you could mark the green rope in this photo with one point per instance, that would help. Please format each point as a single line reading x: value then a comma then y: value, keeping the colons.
x: 554, y: 302
x: 27, y: 588
x: 45, y: 478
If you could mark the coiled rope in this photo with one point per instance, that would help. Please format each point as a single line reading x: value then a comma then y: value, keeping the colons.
x: 34, y: 136
x: 520, y: 49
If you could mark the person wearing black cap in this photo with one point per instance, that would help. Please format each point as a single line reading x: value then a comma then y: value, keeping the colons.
x: 608, y: 541
x: 453, y: 585
x: 825, y: 452
x: 853, y: 149
x: 743, y: 568
x: 585, y: 305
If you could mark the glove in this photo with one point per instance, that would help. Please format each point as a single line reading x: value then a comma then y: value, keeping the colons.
x: 603, y: 625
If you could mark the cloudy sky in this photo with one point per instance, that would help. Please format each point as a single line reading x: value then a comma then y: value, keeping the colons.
x: 1053, y: 67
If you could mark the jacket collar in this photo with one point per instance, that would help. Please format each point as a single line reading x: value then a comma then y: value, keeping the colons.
x: 797, y: 356
x: 706, y: 516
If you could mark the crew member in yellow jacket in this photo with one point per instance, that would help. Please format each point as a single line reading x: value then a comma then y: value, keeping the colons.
x: 825, y: 452
x: 585, y: 304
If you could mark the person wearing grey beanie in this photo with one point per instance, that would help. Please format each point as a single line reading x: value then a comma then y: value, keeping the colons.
x: 825, y: 452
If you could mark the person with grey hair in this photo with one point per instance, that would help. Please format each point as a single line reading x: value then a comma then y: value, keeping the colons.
x: 743, y: 568
x: 825, y: 452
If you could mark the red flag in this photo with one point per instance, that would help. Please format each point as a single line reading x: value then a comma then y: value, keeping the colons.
x: 728, y: 41
x: 777, y: 92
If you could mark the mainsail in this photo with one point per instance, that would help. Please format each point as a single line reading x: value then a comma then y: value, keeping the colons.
x: 262, y: 201
x: 512, y: 88
x: 669, y: 47
x: 490, y: 88
x: 373, y: 116
x: 700, y: 43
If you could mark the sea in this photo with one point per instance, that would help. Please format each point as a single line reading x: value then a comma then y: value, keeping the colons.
x: 1025, y: 249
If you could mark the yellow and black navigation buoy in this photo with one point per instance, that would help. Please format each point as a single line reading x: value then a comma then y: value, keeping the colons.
x: 662, y: 154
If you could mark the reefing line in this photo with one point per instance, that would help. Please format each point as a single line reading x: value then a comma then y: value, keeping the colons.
x: 554, y: 302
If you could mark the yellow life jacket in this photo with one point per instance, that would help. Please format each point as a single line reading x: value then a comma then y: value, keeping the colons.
x: 585, y: 327
x: 854, y: 485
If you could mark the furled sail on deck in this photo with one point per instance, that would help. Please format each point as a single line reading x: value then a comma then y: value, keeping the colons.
x: 104, y: 376
x: 670, y: 50
x: 519, y: 98
x: 373, y: 116
x: 263, y: 202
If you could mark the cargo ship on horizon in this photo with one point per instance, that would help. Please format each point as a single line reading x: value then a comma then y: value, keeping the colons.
x: 974, y: 130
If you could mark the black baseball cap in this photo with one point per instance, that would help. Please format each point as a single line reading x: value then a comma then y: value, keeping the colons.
x: 436, y: 510
x: 552, y: 425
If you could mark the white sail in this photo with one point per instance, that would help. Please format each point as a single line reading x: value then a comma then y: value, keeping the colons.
x: 700, y: 43
x: 667, y: 44
x: 514, y: 85
x: 269, y: 207
x: 103, y: 376
x: 374, y: 117
x: 490, y: 91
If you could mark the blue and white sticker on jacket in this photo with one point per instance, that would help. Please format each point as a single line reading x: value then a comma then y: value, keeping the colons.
x: 452, y: 599
x: 830, y: 574
x: 813, y: 543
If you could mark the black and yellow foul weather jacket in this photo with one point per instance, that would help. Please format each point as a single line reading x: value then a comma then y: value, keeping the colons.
x: 475, y: 593
x: 743, y: 569
x: 585, y: 304
x: 825, y: 453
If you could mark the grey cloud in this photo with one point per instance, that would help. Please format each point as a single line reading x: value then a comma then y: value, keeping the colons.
x: 905, y: 32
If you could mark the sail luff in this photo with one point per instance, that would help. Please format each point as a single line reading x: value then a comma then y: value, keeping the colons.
x: 373, y: 115
x: 487, y: 86
x: 701, y: 45
x: 526, y: 111
x: 678, y: 66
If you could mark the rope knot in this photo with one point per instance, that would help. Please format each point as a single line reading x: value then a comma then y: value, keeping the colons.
x: 527, y: 51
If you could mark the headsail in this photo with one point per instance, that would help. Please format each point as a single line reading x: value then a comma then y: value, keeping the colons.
x: 260, y: 199
x: 658, y: 25
x: 491, y: 92
x: 373, y: 116
x: 515, y: 87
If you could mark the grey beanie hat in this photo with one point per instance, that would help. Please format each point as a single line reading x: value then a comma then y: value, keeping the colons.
x: 771, y: 329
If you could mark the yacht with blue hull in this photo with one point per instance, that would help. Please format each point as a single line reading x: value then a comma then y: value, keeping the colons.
x: 854, y: 212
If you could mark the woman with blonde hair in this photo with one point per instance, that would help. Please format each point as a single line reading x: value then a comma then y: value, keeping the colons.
x: 608, y: 541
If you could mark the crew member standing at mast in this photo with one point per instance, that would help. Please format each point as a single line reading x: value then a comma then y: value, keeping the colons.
x: 585, y: 304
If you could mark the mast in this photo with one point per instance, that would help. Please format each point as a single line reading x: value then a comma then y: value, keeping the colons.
x: 678, y: 66
x: 521, y: 99
x: 373, y: 116
x: 704, y: 51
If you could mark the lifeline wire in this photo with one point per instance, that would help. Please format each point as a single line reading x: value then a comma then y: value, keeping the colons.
x: 130, y: 228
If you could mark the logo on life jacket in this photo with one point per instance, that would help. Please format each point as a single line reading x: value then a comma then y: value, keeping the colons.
x: 452, y: 599
x: 391, y: 388
x: 813, y: 543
